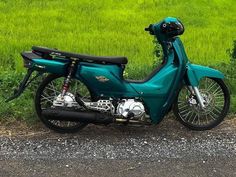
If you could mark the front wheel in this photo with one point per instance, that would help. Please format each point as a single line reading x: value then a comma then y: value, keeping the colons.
x: 216, y: 100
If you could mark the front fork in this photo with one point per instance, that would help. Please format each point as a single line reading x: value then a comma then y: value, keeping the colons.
x: 195, y: 91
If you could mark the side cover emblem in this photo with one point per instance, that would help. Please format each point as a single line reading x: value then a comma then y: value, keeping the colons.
x: 102, y: 78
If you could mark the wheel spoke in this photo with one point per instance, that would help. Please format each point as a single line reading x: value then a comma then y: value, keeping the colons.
x: 54, y: 89
x: 199, y: 120
x: 194, y: 117
x: 212, y: 115
x: 184, y: 106
x: 210, y: 87
x: 217, y: 109
x: 214, y: 99
x: 46, y: 99
x: 206, y: 118
x: 51, y: 91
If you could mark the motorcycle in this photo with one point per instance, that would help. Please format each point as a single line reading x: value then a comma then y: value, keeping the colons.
x: 82, y: 89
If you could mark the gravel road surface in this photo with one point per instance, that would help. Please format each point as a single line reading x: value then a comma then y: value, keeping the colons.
x: 168, y: 149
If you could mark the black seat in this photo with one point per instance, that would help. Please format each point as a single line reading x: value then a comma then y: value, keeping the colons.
x: 28, y: 55
x: 96, y: 59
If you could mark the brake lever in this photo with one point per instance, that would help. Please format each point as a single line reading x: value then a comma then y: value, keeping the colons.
x: 147, y: 29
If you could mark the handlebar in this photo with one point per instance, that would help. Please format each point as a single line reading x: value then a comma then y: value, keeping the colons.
x: 150, y: 29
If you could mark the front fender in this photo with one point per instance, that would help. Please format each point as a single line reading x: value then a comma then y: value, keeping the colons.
x: 196, y: 72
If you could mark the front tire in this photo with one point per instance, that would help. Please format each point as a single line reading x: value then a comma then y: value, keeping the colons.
x: 217, y: 99
x: 47, y: 91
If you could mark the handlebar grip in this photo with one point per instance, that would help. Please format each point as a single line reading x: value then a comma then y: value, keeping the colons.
x: 150, y: 29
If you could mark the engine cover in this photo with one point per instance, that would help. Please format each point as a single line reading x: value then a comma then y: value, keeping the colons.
x: 67, y: 101
x: 130, y: 105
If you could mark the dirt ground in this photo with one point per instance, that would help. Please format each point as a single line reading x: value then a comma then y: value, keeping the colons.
x: 167, y: 149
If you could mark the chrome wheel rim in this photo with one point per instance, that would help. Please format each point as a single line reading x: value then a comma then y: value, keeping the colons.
x: 214, y: 101
x: 53, y: 89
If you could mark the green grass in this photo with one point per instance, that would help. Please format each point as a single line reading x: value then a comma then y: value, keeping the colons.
x: 114, y: 27
x: 108, y: 27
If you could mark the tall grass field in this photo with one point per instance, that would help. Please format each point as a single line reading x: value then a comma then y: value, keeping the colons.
x: 107, y: 27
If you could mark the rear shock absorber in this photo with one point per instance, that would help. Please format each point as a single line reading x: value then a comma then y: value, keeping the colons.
x: 67, y: 80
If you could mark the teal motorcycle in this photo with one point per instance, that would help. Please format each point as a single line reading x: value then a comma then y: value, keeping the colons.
x: 82, y: 89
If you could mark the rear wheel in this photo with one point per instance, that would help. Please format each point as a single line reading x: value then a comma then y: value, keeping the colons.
x: 48, y: 91
x: 216, y: 100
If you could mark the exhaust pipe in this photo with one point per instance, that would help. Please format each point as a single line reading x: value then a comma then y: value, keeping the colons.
x: 85, y: 117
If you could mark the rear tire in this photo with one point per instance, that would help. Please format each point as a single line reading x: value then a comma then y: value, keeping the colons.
x: 58, y: 126
x: 197, y: 119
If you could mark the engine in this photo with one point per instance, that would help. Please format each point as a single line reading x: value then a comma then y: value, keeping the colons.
x: 127, y: 106
x: 101, y: 105
x: 124, y: 107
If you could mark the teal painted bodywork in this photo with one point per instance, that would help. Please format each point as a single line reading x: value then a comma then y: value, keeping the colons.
x: 196, y: 73
x: 114, y: 87
x: 56, y: 66
x: 153, y: 92
x: 157, y: 92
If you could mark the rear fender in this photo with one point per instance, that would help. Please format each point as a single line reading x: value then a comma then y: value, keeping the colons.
x: 196, y: 72
x: 41, y: 66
